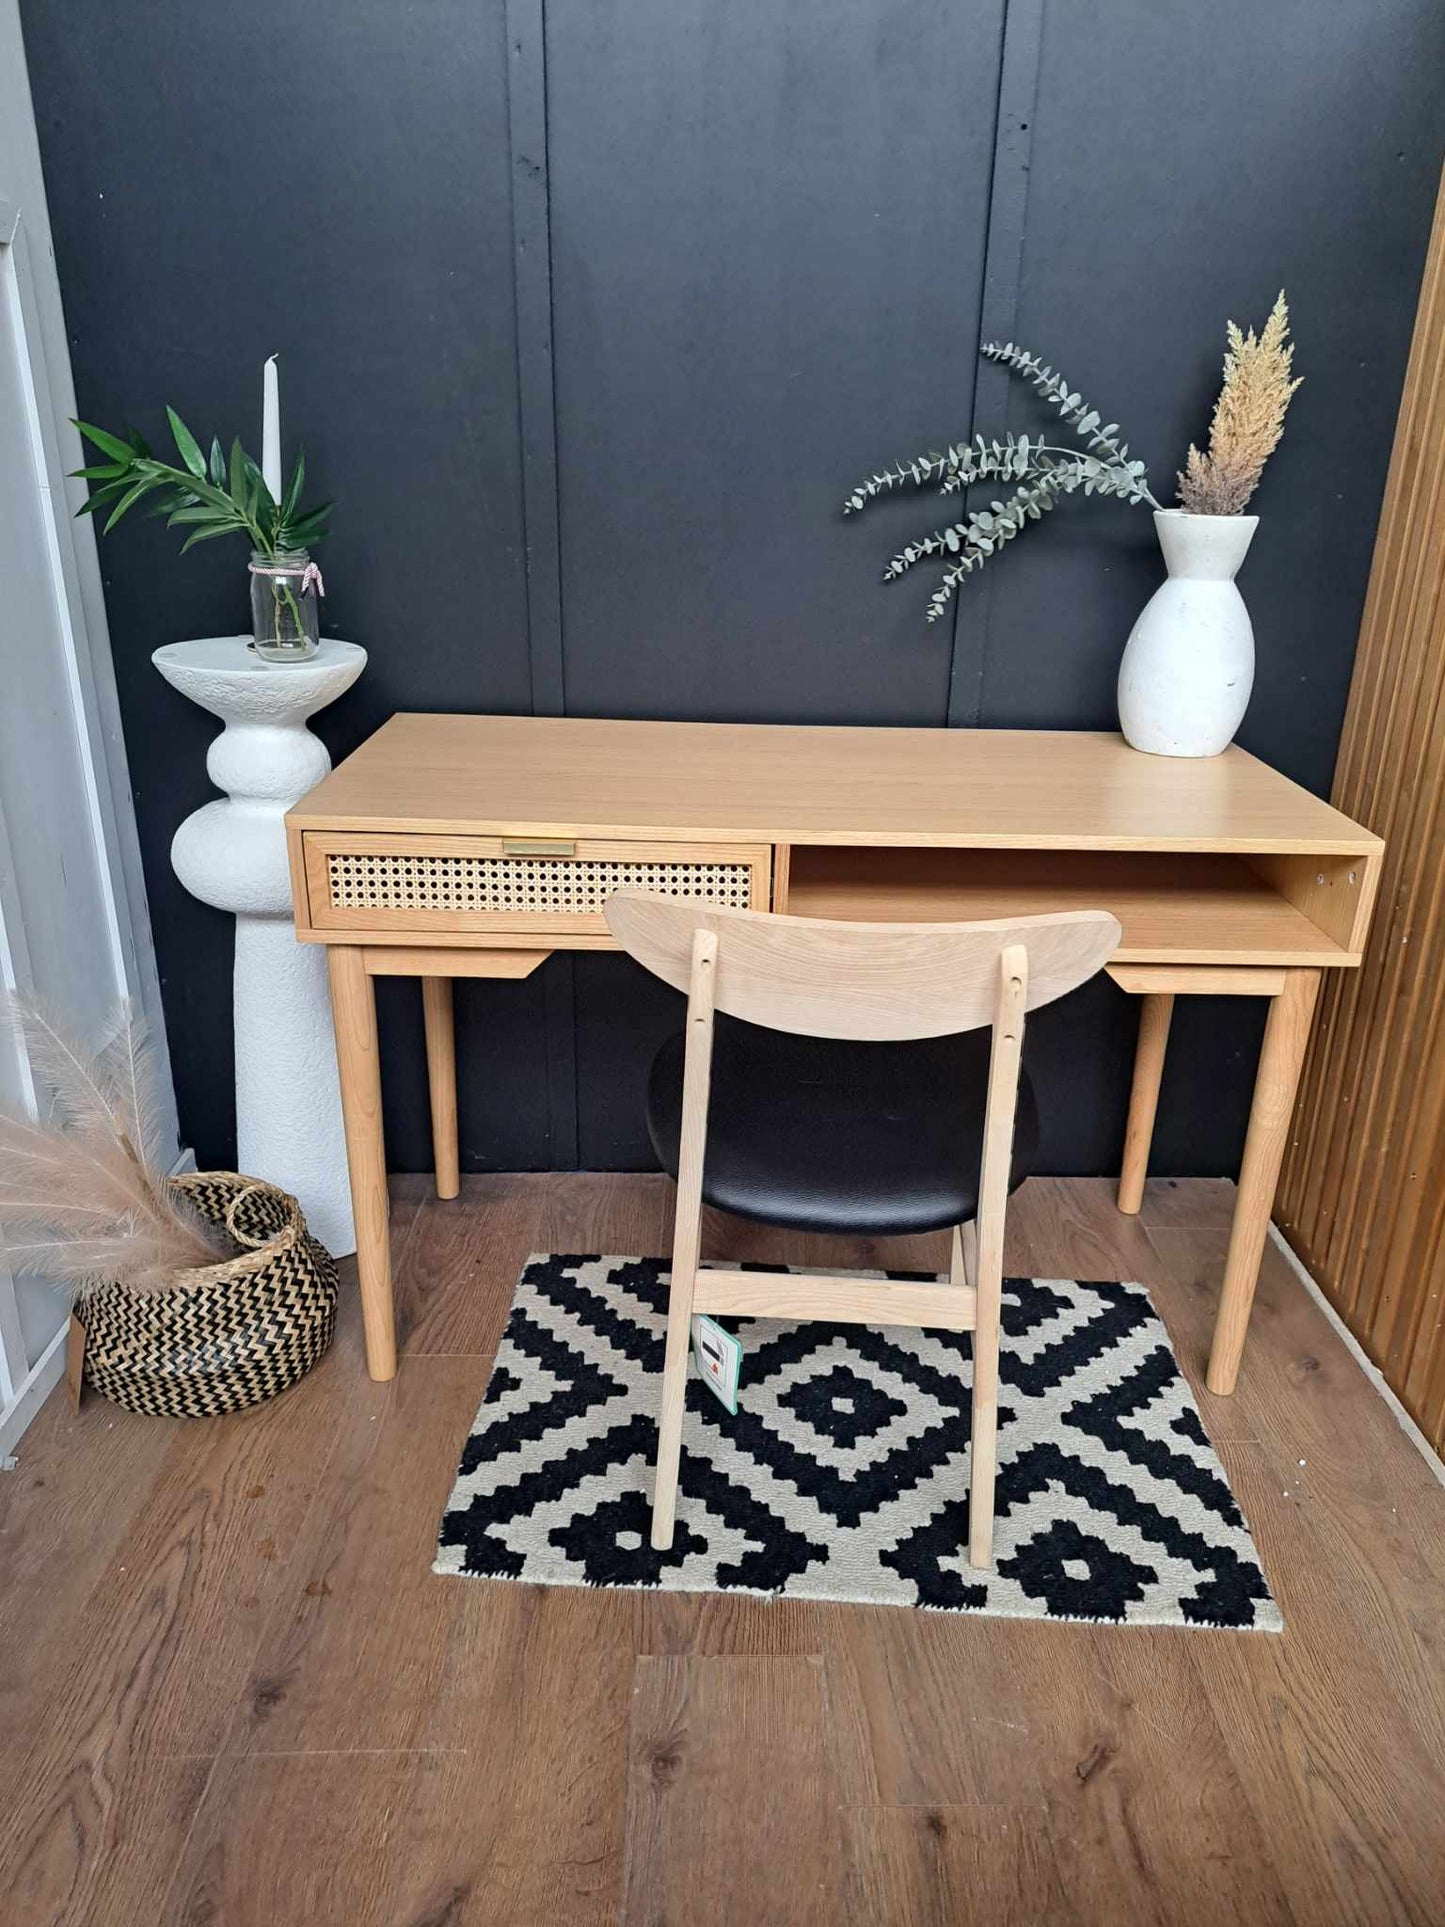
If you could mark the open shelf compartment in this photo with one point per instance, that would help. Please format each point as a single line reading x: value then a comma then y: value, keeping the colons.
x: 1175, y: 907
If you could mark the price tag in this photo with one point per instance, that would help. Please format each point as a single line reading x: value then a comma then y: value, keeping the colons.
x: 719, y: 1359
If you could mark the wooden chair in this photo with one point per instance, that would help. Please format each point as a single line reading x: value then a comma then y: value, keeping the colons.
x: 833, y: 1075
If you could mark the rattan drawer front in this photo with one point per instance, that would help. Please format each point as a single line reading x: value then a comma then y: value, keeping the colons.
x: 521, y: 886
x: 432, y: 886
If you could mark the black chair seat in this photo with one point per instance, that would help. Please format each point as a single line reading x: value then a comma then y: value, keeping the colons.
x: 823, y: 1135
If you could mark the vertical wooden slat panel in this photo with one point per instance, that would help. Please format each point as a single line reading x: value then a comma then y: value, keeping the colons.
x: 1362, y: 1198
x: 1392, y: 681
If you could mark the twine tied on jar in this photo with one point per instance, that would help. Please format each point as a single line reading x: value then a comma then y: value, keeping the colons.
x: 310, y: 575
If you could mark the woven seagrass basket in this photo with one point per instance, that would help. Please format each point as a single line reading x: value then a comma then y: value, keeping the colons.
x: 224, y: 1336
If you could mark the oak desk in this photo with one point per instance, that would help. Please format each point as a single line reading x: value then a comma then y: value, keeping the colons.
x: 474, y: 846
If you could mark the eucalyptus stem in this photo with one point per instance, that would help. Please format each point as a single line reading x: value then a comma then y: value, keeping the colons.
x: 1037, y: 474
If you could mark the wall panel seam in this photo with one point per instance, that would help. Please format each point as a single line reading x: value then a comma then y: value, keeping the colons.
x: 1020, y: 52
x: 536, y: 393
x: 530, y: 176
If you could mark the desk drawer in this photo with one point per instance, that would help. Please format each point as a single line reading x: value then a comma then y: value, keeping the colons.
x: 521, y: 889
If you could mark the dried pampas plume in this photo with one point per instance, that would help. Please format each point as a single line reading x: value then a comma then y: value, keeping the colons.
x: 84, y: 1194
x: 1248, y: 418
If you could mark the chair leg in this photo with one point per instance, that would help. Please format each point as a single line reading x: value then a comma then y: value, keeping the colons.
x: 686, y: 1234
x: 984, y: 1445
x: 674, y: 1400
x: 1003, y: 1084
x: 963, y: 1270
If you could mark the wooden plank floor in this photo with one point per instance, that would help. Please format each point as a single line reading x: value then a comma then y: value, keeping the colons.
x: 231, y: 1691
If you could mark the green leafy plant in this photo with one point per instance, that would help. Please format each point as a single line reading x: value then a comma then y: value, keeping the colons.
x: 1041, y: 473
x: 208, y: 496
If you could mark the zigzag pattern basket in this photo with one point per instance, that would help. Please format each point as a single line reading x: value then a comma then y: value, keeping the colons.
x: 229, y: 1335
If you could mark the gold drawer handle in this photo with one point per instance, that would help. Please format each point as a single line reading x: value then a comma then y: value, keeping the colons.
x: 545, y: 846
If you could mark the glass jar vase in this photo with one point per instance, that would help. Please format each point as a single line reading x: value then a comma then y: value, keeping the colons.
x: 285, y: 608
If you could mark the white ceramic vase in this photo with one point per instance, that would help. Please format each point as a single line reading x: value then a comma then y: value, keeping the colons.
x: 1188, y: 667
x: 232, y: 853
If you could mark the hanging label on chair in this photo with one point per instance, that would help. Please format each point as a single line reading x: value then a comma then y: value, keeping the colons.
x: 719, y: 1359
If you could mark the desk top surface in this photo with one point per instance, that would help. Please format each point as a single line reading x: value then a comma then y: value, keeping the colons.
x: 780, y: 783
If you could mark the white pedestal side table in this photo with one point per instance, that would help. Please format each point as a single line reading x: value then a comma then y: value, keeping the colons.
x: 232, y: 853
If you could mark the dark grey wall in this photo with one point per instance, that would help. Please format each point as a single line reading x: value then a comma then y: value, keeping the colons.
x: 589, y: 311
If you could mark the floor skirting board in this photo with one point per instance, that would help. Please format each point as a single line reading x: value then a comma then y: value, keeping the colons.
x: 1362, y: 1358
x: 30, y: 1395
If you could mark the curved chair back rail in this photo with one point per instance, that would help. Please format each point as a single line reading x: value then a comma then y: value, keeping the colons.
x: 874, y: 981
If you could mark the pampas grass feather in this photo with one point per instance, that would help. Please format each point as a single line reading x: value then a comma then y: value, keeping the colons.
x: 1248, y: 418
x: 84, y: 1196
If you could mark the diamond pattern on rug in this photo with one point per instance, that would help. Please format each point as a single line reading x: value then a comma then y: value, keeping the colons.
x: 844, y: 1473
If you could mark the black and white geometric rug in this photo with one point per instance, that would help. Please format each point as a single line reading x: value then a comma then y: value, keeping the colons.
x: 844, y: 1474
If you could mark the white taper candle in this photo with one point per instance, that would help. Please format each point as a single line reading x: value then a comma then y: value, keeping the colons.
x: 271, y: 429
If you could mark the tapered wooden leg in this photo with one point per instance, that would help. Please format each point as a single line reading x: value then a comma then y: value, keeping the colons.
x: 983, y: 1446
x: 983, y: 1449
x: 353, y: 1007
x: 1285, y: 1037
x: 987, y: 1252
x: 1155, y: 1011
x: 441, y: 1070
x: 674, y: 1401
x: 686, y: 1234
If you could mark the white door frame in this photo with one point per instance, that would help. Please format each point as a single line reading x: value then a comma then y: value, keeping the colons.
x: 93, y: 921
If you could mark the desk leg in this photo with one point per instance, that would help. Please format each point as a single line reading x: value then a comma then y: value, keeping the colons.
x: 1155, y: 1011
x: 353, y: 1007
x: 1285, y: 1037
x: 441, y: 1070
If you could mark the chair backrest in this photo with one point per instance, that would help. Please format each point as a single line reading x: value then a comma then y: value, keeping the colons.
x: 860, y: 980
